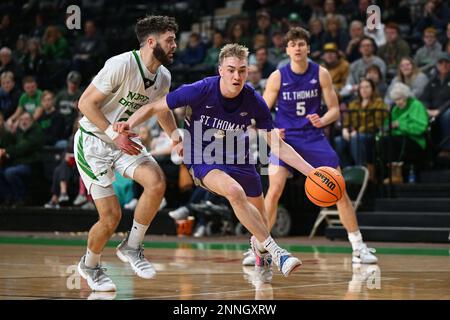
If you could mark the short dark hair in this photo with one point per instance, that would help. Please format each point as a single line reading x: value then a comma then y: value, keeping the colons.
x: 154, y: 25
x: 297, y: 33
x: 28, y: 79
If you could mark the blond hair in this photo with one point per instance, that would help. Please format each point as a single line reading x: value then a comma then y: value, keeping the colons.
x: 233, y: 50
x: 7, y: 75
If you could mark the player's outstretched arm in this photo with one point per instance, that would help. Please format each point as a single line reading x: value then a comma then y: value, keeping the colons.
x: 146, y: 111
x: 286, y: 153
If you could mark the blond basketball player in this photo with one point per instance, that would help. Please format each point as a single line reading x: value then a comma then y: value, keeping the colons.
x: 126, y: 82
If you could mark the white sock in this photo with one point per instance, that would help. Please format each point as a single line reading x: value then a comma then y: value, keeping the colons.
x: 271, y: 246
x: 137, y: 234
x: 92, y: 259
x: 355, y: 239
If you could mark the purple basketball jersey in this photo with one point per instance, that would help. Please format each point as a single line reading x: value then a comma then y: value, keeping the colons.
x: 299, y: 95
x: 210, y: 117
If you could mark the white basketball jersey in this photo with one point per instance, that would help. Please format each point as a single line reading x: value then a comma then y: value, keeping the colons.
x: 128, y: 85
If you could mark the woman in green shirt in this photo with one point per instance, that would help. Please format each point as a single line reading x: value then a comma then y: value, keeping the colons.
x: 409, y: 122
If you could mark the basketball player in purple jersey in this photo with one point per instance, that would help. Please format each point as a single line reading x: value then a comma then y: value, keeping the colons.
x: 298, y: 89
x: 220, y: 109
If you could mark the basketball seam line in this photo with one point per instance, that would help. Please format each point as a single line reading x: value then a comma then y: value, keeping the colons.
x: 337, y: 183
x: 318, y: 199
x: 323, y: 188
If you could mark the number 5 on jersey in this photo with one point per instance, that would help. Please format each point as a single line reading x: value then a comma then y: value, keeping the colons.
x: 301, y: 110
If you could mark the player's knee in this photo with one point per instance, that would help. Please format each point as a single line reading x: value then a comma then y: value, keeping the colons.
x: 235, y: 193
x: 275, y: 191
x: 156, y: 188
x: 111, y: 221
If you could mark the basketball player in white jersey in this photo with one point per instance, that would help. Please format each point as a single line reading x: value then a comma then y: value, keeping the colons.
x: 126, y: 82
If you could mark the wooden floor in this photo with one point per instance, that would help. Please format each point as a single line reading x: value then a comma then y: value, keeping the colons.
x: 49, y: 272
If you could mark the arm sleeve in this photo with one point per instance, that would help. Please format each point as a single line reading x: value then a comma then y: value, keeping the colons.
x: 21, y: 101
x: 187, y: 95
x: 111, y: 76
x: 263, y: 117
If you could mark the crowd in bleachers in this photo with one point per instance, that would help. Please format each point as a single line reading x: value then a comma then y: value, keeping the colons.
x: 396, y: 76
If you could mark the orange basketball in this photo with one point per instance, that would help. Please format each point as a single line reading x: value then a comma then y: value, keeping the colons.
x: 324, y: 186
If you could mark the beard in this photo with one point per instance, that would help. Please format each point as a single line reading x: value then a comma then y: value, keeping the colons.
x: 161, y: 55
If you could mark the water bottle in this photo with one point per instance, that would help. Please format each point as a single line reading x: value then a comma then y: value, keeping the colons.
x: 412, y: 175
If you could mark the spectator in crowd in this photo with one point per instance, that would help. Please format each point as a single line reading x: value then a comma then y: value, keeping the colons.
x: 89, y: 51
x: 294, y: 20
x: 63, y: 178
x: 195, y: 51
x: 447, y: 48
x: 8, y: 33
x: 436, y: 98
x: 212, y: 54
x: 21, y: 49
x: 361, y: 12
x: 394, y: 50
x: 255, y: 79
x: 435, y: 14
x: 373, y: 73
x: 356, y: 35
x: 6, y: 137
x: 329, y: 9
x: 317, y: 39
x: 263, y: 24
x: 359, y: 67
x: 66, y: 101
x: 20, y: 157
x: 55, y: 46
x: 37, y: 31
x: 426, y: 57
x: 52, y: 122
x: 336, y: 65
x: 262, y: 63
x: 9, y: 94
x: 334, y: 32
x: 409, y: 122
x: 237, y: 34
x: 409, y: 74
x: 277, y: 50
x: 34, y: 63
x: 7, y: 64
x: 29, y: 102
x: 360, y: 125
x: 446, y: 37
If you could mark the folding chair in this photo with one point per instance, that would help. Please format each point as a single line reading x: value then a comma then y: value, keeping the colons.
x: 356, y: 179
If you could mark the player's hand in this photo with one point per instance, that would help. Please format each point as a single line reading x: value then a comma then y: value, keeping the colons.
x: 315, y: 120
x: 124, y: 143
x: 281, y: 132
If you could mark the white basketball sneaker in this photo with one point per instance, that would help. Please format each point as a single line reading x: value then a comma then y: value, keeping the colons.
x: 249, y: 258
x: 364, y: 255
x: 96, y: 277
x: 141, y: 266
x: 285, y: 262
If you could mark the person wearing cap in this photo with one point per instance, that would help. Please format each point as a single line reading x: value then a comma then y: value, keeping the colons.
x: 336, y: 65
x: 436, y: 98
x: 66, y: 101
x: 426, y: 56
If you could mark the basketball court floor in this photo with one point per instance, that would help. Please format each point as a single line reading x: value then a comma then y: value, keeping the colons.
x: 43, y: 266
